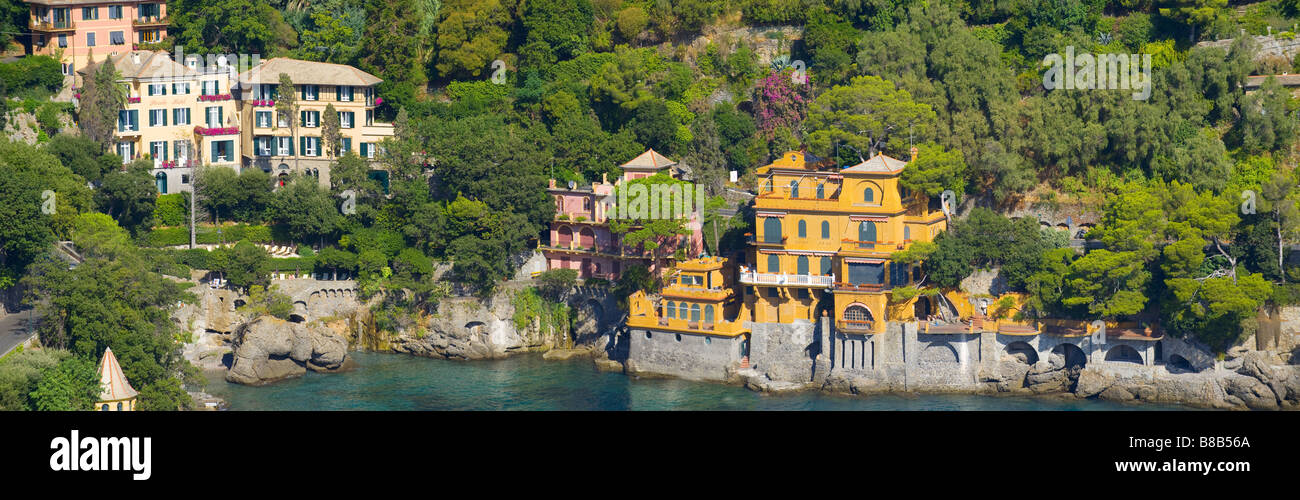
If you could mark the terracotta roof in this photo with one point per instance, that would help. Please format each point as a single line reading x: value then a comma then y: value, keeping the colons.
x: 880, y: 163
x: 143, y: 64
x: 649, y: 160
x: 309, y: 72
x: 115, y: 386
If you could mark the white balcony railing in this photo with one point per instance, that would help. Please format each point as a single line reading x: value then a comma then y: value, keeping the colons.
x: 808, y: 280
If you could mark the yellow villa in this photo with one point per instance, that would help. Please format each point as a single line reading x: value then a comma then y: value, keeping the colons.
x: 824, y: 237
x: 118, y: 394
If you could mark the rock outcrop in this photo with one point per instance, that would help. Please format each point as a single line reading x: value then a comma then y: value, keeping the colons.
x: 268, y: 349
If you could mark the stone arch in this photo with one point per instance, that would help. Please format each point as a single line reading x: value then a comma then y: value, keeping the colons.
x: 297, y: 318
x: 1178, y: 364
x: 1122, y: 353
x: 300, y: 308
x: 1023, y: 351
x: 476, y: 327
x: 1073, y: 355
x: 939, y: 352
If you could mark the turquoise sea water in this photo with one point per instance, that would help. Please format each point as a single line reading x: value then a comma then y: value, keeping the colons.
x: 402, y: 382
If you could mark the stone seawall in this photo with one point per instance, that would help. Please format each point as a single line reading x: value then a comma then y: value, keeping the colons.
x: 783, y: 357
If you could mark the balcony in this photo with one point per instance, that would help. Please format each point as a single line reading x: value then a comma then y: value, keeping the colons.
x: 860, y: 287
x: 151, y: 21
x: 752, y: 240
x: 52, y: 26
x: 796, y: 280
x: 206, y: 131
x: 721, y: 328
x: 855, y: 326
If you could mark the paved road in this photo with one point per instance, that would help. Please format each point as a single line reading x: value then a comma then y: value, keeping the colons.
x: 14, y: 329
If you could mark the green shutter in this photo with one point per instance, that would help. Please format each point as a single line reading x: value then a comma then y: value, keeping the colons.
x: 302, y: 144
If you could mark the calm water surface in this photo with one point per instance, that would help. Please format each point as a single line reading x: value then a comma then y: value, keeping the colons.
x: 402, y: 382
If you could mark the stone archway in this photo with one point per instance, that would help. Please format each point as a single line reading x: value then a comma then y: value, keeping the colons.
x: 1179, y: 364
x: 1072, y: 354
x: 1023, y: 352
x: 1121, y: 353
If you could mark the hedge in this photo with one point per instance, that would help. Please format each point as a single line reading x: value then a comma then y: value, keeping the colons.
x: 207, y: 235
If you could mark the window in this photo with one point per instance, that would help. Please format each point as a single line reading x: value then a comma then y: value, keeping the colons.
x: 345, y: 145
x: 185, y: 179
x: 284, y: 145
x: 181, y: 148
x: 182, y: 88
x: 128, y: 120
x: 215, y: 118
x: 821, y: 191
x: 89, y: 13
x: 158, y: 149
x: 158, y: 118
x: 346, y: 119
x: 157, y: 89
x: 310, y: 119
x: 826, y: 230
x: 90, y: 39
x: 309, y: 92
x: 773, y: 263
x: 866, y: 274
x: 148, y: 11
x: 803, y: 229
x: 794, y: 189
x: 370, y: 117
x: 222, y: 151
x: 345, y: 93
x: 825, y: 266
x: 708, y: 317
x: 263, y: 119
x: 63, y: 41
x: 310, y: 146
x: 114, y: 11
x: 868, y: 196
x: 857, y: 314
x: 695, y: 312
x: 867, y: 234
x: 367, y: 150
x: 263, y: 146
x: 907, y: 233
x: 772, y: 230
x: 209, y: 87
x: 181, y: 116
x: 801, y: 264
x: 117, y: 37
x: 672, y: 309
x: 281, y: 119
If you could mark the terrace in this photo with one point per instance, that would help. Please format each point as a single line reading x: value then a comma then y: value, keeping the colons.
x: 782, y: 279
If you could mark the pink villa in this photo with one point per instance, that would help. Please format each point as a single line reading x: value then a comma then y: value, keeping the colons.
x: 80, y: 30
x: 580, y: 237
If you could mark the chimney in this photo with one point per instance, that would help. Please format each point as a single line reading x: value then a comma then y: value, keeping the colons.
x: 552, y: 184
x: 135, y: 58
x: 914, y: 153
x: 604, y: 177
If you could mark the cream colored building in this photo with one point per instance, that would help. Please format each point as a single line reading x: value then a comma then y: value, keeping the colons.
x: 117, y: 393
x: 179, y: 116
x: 277, y: 146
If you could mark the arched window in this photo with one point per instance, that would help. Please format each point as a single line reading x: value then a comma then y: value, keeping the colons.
x: 773, y: 263
x: 104, y: 408
x: 826, y: 230
x: 564, y: 235
x: 821, y: 191
x: 119, y: 407
x: 867, y: 233
x: 161, y: 180
x: 803, y: 229
x: 767, y: 186
x: 772, y: 230
x: 672, y: 309
x: 857, y: 314
x: 559, y: 204
x: 868, y: 195
x: 586, y: 204
x: 801, y: 264
x: 826, y: 266
x: 681, y: 310
x: 708, y: 313
x: 695, y: 312
x: 794, y: 189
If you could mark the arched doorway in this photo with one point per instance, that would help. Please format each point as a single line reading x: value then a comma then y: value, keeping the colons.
x: 867, y: 234
x: 564, y: 235
x: 161, y: 181
x: 586, y: 238
x: 282, y: 179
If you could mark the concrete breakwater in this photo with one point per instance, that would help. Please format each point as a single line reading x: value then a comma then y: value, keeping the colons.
x: 807, y: 356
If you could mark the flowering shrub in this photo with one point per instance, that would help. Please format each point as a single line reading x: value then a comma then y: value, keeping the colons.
x: 217, y: 130
x: 218, y: 97
x: 780, y: 102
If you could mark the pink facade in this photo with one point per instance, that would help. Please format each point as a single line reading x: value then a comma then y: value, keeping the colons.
x: 85, y: 29
x: 580, y: 237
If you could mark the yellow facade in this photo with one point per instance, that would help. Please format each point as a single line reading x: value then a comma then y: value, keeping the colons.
x: 824, y: 236
x: 698, y: 299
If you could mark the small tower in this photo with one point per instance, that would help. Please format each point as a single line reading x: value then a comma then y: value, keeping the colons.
x: 118, y: 394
